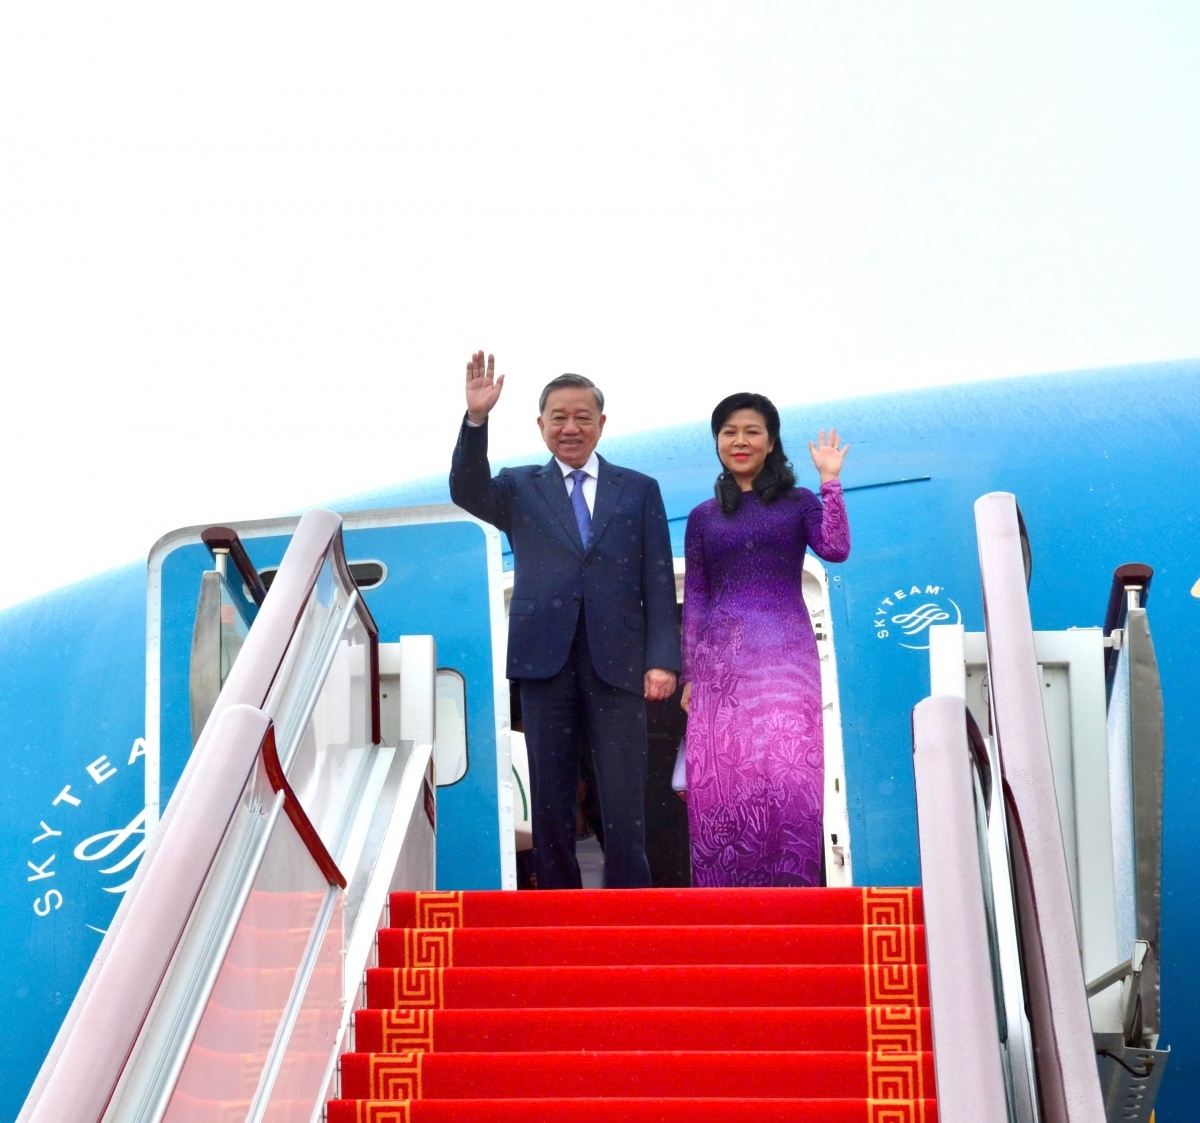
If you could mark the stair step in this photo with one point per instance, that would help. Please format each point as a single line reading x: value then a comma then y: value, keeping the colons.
x: 780, y: 1074
x: 491, y: 987
x: 618, y: 945
x: 633, y: 1110
x: 590, y: 907
x: 835, y: 1029
x: 646, y: 1006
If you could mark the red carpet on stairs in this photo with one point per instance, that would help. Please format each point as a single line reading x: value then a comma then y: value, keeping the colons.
x: 645, y: 1005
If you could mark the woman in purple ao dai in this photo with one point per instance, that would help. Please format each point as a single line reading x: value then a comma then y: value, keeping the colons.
x: 752, y: 681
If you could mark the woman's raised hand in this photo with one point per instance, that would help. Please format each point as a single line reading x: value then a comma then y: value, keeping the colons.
x: 827, y: 456
x: 483, y: 387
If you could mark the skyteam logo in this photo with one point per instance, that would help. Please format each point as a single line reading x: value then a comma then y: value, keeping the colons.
x: 907, y: 615
x: 66, y: 830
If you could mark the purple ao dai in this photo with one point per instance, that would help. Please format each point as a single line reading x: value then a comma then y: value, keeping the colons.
x: 755, y: 745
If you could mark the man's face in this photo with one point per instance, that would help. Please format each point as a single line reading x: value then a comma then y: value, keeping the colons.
x: 571, y: 424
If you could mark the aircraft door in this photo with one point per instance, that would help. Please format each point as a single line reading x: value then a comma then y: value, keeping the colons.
x: 422, y: 571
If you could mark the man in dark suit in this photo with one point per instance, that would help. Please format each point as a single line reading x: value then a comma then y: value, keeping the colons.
x: 593, y: 630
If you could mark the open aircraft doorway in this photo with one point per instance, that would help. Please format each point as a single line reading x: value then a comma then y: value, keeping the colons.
x: 668, y: 846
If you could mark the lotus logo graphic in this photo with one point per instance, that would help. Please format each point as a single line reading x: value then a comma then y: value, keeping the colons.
x: 909, y: 613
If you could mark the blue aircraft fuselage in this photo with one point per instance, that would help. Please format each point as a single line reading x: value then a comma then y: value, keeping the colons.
x: 1106, y: 469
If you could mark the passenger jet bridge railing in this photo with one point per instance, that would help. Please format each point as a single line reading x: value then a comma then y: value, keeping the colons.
x: 1038, y: 763
x: 226, y: 984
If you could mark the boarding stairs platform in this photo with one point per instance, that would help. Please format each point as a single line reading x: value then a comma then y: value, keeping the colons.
x: 1038, y: 760
x: 283, y: 953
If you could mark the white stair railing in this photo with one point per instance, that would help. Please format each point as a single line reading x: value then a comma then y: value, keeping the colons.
x: 248, y: 926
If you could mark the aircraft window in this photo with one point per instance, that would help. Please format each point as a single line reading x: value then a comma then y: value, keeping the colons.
x: 366, y: 574
x: 450, y: 751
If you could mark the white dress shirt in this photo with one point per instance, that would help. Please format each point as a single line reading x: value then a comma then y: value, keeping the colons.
x: 592, y: 468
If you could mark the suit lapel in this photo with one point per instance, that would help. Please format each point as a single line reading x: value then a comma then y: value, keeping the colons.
x: 610, y: 481
x: 554, y: 491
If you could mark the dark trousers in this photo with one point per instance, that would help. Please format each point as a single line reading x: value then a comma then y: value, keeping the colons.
x: 555, y: 711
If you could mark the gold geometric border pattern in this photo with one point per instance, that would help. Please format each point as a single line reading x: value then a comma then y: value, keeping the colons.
x: 371, y: 1111
x: 884, y: 1112
x: 428, y: 947
x: 439, y: 909
x: 422, y: 987
x: 396, y: 1076
x: 895, y: 1075
x: 408, y: 1031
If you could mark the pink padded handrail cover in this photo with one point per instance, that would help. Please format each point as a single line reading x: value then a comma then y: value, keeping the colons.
x: 249, y: 682
x: 123, y: 989
x: 966, y: 1037
x: 1060, y: 1021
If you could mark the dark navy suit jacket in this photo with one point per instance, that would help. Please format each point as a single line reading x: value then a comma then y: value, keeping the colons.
x: 624, y: 580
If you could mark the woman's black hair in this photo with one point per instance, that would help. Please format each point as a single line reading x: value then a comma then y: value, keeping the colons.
x: 776, y: 476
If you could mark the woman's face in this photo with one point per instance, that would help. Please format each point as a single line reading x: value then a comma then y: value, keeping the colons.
x: 743, y: 444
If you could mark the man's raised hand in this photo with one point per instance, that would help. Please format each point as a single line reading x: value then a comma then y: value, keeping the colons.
x: 483, y: 387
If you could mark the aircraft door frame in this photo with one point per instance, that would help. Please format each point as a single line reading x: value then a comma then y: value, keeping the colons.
x: 353, y: 521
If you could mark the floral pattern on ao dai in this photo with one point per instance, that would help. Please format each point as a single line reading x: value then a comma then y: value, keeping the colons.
x: 755, y: 744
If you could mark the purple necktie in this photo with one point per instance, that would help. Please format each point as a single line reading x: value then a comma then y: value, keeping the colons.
x: 582, y: 515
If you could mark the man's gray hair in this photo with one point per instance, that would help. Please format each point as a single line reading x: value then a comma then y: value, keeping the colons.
x: 570, y: 381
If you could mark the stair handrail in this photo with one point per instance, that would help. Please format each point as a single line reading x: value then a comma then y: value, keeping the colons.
x: 1131, y: 577
x: 1061, y: 1024
x: 90, y: 1063
x: 1131, y: 654
x: 104, y: 998
x: 964, y: 1005
x: 292, y: 807
x: 225, y: 540
x: 318, y: 538
x: 208, y: 665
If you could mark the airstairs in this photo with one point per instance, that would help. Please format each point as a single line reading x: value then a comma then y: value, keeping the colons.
x: 225, y: 986
x: 284, y: 953
x: 1039, y: 768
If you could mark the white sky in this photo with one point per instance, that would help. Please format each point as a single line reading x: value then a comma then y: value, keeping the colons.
x: 245, y: 249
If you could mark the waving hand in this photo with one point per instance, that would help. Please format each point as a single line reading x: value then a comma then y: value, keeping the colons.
x: 483, y: 387
x: 827, y: 456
